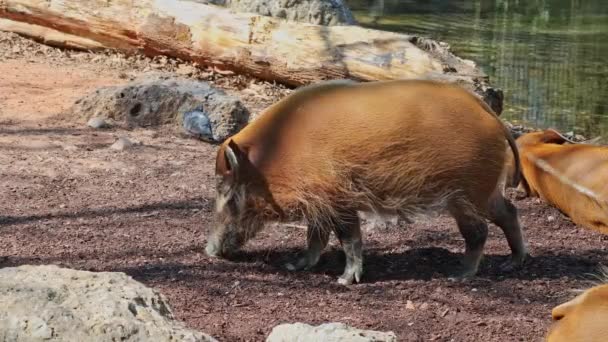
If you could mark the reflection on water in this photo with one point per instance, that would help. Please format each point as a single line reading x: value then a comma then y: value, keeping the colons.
x: 549, y: 56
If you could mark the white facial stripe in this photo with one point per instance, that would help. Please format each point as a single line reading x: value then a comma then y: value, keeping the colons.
x: 220, y: 202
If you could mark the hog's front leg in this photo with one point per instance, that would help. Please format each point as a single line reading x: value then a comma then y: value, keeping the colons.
x: 317, y: 238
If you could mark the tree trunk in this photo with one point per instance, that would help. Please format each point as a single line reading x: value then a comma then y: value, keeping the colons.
x: 269, y: 48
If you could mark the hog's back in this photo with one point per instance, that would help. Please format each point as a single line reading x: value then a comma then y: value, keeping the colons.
x: 392, y: 137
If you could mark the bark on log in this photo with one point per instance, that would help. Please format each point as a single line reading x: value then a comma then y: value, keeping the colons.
x: 269, y: 48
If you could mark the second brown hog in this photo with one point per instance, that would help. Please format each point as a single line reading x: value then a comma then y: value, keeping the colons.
x: 584, y: 318
x: 572, y: 177
x: 330, y: 150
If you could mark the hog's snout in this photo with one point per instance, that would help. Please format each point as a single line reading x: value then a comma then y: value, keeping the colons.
x: 216, y: 242
x: 224, y: 241
x: 213, y: 248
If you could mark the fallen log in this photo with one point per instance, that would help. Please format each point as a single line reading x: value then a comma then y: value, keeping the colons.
x: 269, y: 48
x: 50, y: 36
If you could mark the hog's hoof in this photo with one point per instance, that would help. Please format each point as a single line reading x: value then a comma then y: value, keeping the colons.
x: 459, y: 278
x: 293, y: 267
x: 351, y: 274
x: 302, y: 264
x: 345, y: 281
x: 212, y: 251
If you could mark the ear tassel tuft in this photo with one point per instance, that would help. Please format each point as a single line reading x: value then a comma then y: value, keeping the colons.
x: 231, y: 156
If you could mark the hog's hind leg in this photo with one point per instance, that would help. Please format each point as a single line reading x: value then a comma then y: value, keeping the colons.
x: 474, y: 229
x: 317, y: 238
x: 348, y: 231
x: 504, y: 214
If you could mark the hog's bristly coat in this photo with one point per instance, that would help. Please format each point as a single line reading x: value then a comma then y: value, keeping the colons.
x: 330, y: 150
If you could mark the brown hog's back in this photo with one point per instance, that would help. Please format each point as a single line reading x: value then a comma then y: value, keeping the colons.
x: 573, y: 178
x: 377, y: 142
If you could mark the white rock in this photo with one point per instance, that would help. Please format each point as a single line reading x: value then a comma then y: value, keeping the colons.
x: 122, y: 144
x: 98, y: 123
x: 328, y: 332
x: 39, y: 303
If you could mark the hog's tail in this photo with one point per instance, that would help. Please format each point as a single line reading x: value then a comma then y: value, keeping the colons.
x: 517, y: 174
x: 513, y: 145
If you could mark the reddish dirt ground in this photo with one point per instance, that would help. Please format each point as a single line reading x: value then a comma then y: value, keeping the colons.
x: 68, y: 199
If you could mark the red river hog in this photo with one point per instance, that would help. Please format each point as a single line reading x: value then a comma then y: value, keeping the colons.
x: 572, y: 177
x: 582, y: 319
x: 330, y: 150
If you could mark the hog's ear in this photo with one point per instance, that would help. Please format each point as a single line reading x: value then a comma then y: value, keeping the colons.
x: 552, y: 136
x: 230, y: 152
x: 236, y: 159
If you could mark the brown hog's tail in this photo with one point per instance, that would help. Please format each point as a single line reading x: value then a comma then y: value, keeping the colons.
x: 517, y: 174
x: 513, y: 145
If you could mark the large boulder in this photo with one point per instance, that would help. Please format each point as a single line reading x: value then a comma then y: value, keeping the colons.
x: 319, y: 12
x: 157, y: 98
x: 328, y: 332
x: 48, y: 303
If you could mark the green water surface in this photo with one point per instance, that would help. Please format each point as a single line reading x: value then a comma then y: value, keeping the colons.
x: 550, y: 57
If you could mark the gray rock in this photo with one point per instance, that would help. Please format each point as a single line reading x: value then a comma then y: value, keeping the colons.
x: 98, y: 123
x: 328, y: 332
x: 196, y: 123
x: 320, y: 12
x: 156, y: 99
x: 40, y: 303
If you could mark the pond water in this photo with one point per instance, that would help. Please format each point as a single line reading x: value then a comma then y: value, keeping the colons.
x: 550, y: 57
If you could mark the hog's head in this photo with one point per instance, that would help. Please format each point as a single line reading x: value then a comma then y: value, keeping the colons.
x: 243, y: 202
x: 582, y: 318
